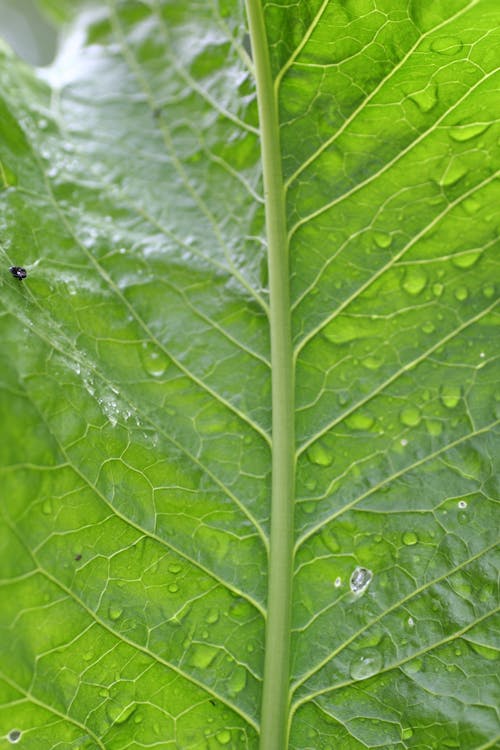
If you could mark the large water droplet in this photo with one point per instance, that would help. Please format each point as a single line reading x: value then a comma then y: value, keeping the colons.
x: 320, y: 454
x: 410, y: 538
x: 467, y: 132
x: 461, y: 293
x: 410, y: 416
x: 382, y: 239
x: 371, y: 363
x: 224, y: 737
x: 14, y: 736
x: 452, y: 174
x: 366, y: 664
x: 359, y: 421
x: 446, y: 45
x: 450, y: 395
x: 425, y: 99
x: 489, y: 291
x: 437, y: 289
x: 202, y: 656
x: 174, y: 568
x: 237, y: 681
x: 330, y: 541
x: 414, y: 281
x: 115, y: 612
x: 47, y: 507
x: 360, y: 580
x: 154, y: 359
x: 119, y: 714
x: 434, y: 427
x: 466, y: 260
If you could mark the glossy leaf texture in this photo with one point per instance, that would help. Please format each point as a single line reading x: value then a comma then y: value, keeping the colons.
x: 136, y: 383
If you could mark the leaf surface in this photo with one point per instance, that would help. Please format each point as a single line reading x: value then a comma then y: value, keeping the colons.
x: 136, y: 373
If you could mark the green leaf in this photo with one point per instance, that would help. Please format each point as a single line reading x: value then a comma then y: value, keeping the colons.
x: 250, y: 402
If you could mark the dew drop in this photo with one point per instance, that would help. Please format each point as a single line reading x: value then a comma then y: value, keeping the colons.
x: 414, y: 666
x: 425, y: 99
x: 115, y: 613
x: 462, y: 504
x: 382, y: 239
x: 407, y: 733
x: 414, y: 281
x: 360, y: 580
x: 338, y: 582
x: 488, y: 291
x: 410, y: 538
x: 446, y: 45
x: 434, y: 427
x: 359, y: 421
x: 223, y: 737
x: 119, y: 714
x: 452, y: 174
x: 437, y: 289
x: 173, y: 588
x: 320, y: 455
x: 47, y: 507
x: 461, y: 293
x: 468, y: 132
x: 330, y: 541
x: 471, y: 206
x: 174, y: 568
x: 202, y: 656
x: 466, y: 260
x: 371, y: 363
x: 450, y: 395
x: 428, y: 327
x: 237, y: 681
x: 366, y: 664
x: 410, y: 416
x: 155, y: 361
x: 14, y: 736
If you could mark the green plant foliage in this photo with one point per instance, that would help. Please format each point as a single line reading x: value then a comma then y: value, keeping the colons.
x: 136, y: 378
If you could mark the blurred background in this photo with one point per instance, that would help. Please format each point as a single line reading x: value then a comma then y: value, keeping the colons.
x: 30, y: 34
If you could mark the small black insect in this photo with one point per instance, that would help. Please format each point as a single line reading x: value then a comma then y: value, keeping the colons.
x: 18, y: 272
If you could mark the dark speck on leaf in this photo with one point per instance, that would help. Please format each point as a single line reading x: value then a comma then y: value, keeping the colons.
x: 78, y: 557
x: 18, y: 272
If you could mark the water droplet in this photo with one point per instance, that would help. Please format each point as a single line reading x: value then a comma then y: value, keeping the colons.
x: 452, y: 174
x: 450, y: 395
x: 359, y: 421
x: 446, y: 45
x: 103, y: 693
x: 224, y: 737
x: 174, y: 568
x: 410, y: 538
x: 119, y: 714
x: 360, y: 580
x: 428, y: 327
x: 425, y: 99
x: 467, y: 132
x: 404, y: 442
x: 462, y: 504
x: 343, y: 398
x: 488, y: 290
x: 47, y: 507
x: 461, y: 293
x: 371, y: 363
x: 434, y: 427
x: 410, y: 416
x: 237, y: 681
x: 466, y: 260
x: 115, y: 612
x: 414, y: 281
x: 366, y: 664
x: 338, y: 582
x: 382, y: 239
x: 173, y: 588
x: 407, y: 733
x: 437, y: 289
x: 410, y: 623
x: 154, y: 359
x: 320, y: 454
x: 415, y: 665
x: 14, y: 736
x: 471, y: 206
x: 202, y: 656
x: 330, y: 541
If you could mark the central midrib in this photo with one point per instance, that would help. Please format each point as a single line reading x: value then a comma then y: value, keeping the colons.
x: 275, y: 692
